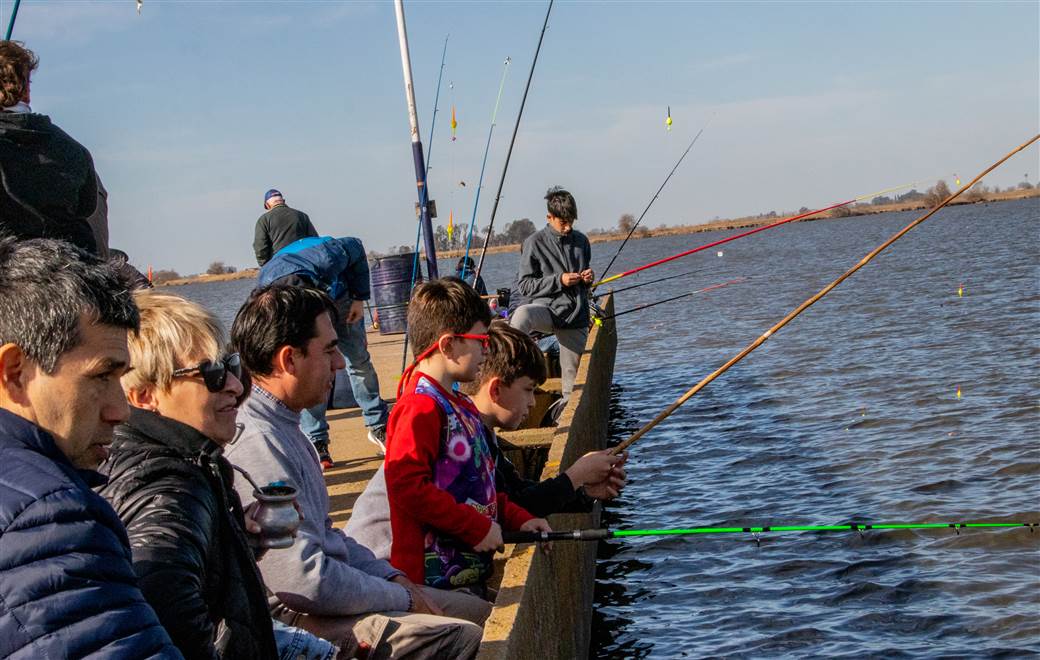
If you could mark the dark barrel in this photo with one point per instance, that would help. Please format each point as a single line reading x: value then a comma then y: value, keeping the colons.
x: 391, y: 289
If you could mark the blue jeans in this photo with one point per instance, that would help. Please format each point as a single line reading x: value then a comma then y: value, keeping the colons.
x: 353, y: 343
x: 295, y: 643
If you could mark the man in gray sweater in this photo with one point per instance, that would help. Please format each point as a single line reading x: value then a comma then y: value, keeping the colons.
x: 554, y: 277
x: 326, y: 582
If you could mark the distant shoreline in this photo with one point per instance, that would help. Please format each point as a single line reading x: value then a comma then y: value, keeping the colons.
x: 678, y: 230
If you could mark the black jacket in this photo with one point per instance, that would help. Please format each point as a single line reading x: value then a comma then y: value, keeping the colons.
x: 49, y: 187
x: 277, y: 228
x: 173, y: 490
x: 67, y: 589
x: 540, y: 498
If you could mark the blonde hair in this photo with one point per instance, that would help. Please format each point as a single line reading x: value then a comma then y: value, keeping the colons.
x: 173, y: 331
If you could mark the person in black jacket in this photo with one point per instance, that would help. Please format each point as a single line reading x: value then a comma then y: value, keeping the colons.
x: 48, y: 186
x: 172, y: 487
x: 67, y: 586
x: 278, y: 227
x: 504, y: 395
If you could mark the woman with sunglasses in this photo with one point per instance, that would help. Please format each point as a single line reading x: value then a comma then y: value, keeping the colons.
x: 172, y: 488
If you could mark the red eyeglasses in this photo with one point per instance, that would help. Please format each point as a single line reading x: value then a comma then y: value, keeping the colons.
x: 485, y: 340
x: 485, y: 344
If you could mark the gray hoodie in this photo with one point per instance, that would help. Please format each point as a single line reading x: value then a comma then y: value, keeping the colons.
x: 325, y: 572
x: 545, y: 255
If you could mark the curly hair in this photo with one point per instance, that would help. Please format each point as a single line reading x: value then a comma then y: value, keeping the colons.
x: 16, y: 65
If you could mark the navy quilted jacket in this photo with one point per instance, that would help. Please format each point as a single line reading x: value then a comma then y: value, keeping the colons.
x: 67, y: 588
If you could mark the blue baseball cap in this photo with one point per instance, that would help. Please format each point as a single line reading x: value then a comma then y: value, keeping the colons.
x: 271, y: 193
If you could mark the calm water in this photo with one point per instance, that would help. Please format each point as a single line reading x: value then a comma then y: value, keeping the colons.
x: 850, y: 413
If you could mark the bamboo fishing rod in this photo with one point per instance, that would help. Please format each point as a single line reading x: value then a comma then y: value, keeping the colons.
x: 483, y: 164
x: 805, y: 305
x: 639, y: 308
x: 509, y: 153
x: 654, y: 198
x: 599, y: 534
x: 784, y: 221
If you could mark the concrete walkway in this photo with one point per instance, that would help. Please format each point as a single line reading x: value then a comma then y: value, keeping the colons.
x: 356, y: 458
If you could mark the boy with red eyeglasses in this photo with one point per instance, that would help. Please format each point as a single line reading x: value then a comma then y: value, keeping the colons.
x: 446, y: 516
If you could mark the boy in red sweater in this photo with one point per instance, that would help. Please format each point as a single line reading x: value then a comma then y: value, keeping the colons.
x: 446, y: 516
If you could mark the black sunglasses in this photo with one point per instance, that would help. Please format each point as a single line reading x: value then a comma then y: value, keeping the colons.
x: 214, y: 374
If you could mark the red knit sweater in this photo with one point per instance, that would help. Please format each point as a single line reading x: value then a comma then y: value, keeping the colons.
x: 414, y: 434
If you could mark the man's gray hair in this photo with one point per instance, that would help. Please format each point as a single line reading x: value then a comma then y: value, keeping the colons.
x: 46, y: 286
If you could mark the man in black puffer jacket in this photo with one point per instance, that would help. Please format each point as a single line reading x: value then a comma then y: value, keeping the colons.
x: 172, y: 487
x: 67, y: 588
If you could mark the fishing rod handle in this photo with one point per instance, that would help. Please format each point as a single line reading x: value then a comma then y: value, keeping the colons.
x: 572, y: 535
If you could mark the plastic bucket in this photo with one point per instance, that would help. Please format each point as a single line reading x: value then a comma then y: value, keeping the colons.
x: 391, y: 290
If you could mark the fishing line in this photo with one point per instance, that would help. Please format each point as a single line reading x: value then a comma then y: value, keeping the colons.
x: 602, y: 534
x: 747, y: 233
x: 805, y: 305
x: 657, y: 281
x: 483, y: 164
x: 600, y: 319
x: 656, y: 194
x: 512, y: 141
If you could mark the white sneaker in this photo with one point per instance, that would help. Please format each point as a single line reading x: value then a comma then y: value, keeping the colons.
x: 377, y: 436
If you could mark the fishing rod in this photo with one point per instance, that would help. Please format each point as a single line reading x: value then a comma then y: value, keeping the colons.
x: 603, y: 534
x: 10, y: 24
x: 417, y: 148
x: 509, y: 153
x: 600, y: 319
x: 805, y: 305
x: 483, y: 164
x: 418, y: 224
x: 800, y: 216
x: 654, y: 198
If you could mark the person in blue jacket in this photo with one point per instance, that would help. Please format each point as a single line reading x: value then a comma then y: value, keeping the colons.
x: 67, y: 586
x: 339, y: 267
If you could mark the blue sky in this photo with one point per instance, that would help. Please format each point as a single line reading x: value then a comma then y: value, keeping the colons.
x: 193, y: 109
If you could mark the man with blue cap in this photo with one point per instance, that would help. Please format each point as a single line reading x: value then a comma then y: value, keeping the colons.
x: 278, y: 227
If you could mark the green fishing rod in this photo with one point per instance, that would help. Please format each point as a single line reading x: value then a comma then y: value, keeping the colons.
x: 603, y: 534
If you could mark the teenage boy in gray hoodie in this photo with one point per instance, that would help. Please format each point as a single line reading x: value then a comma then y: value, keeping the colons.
x: 554, y: 277
x: 326, y: 583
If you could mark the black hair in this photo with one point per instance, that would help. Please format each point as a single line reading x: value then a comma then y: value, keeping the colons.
x: 560, y: 203
x: 276, y: 316
x: 46, y: 287
x: 467, y: 262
